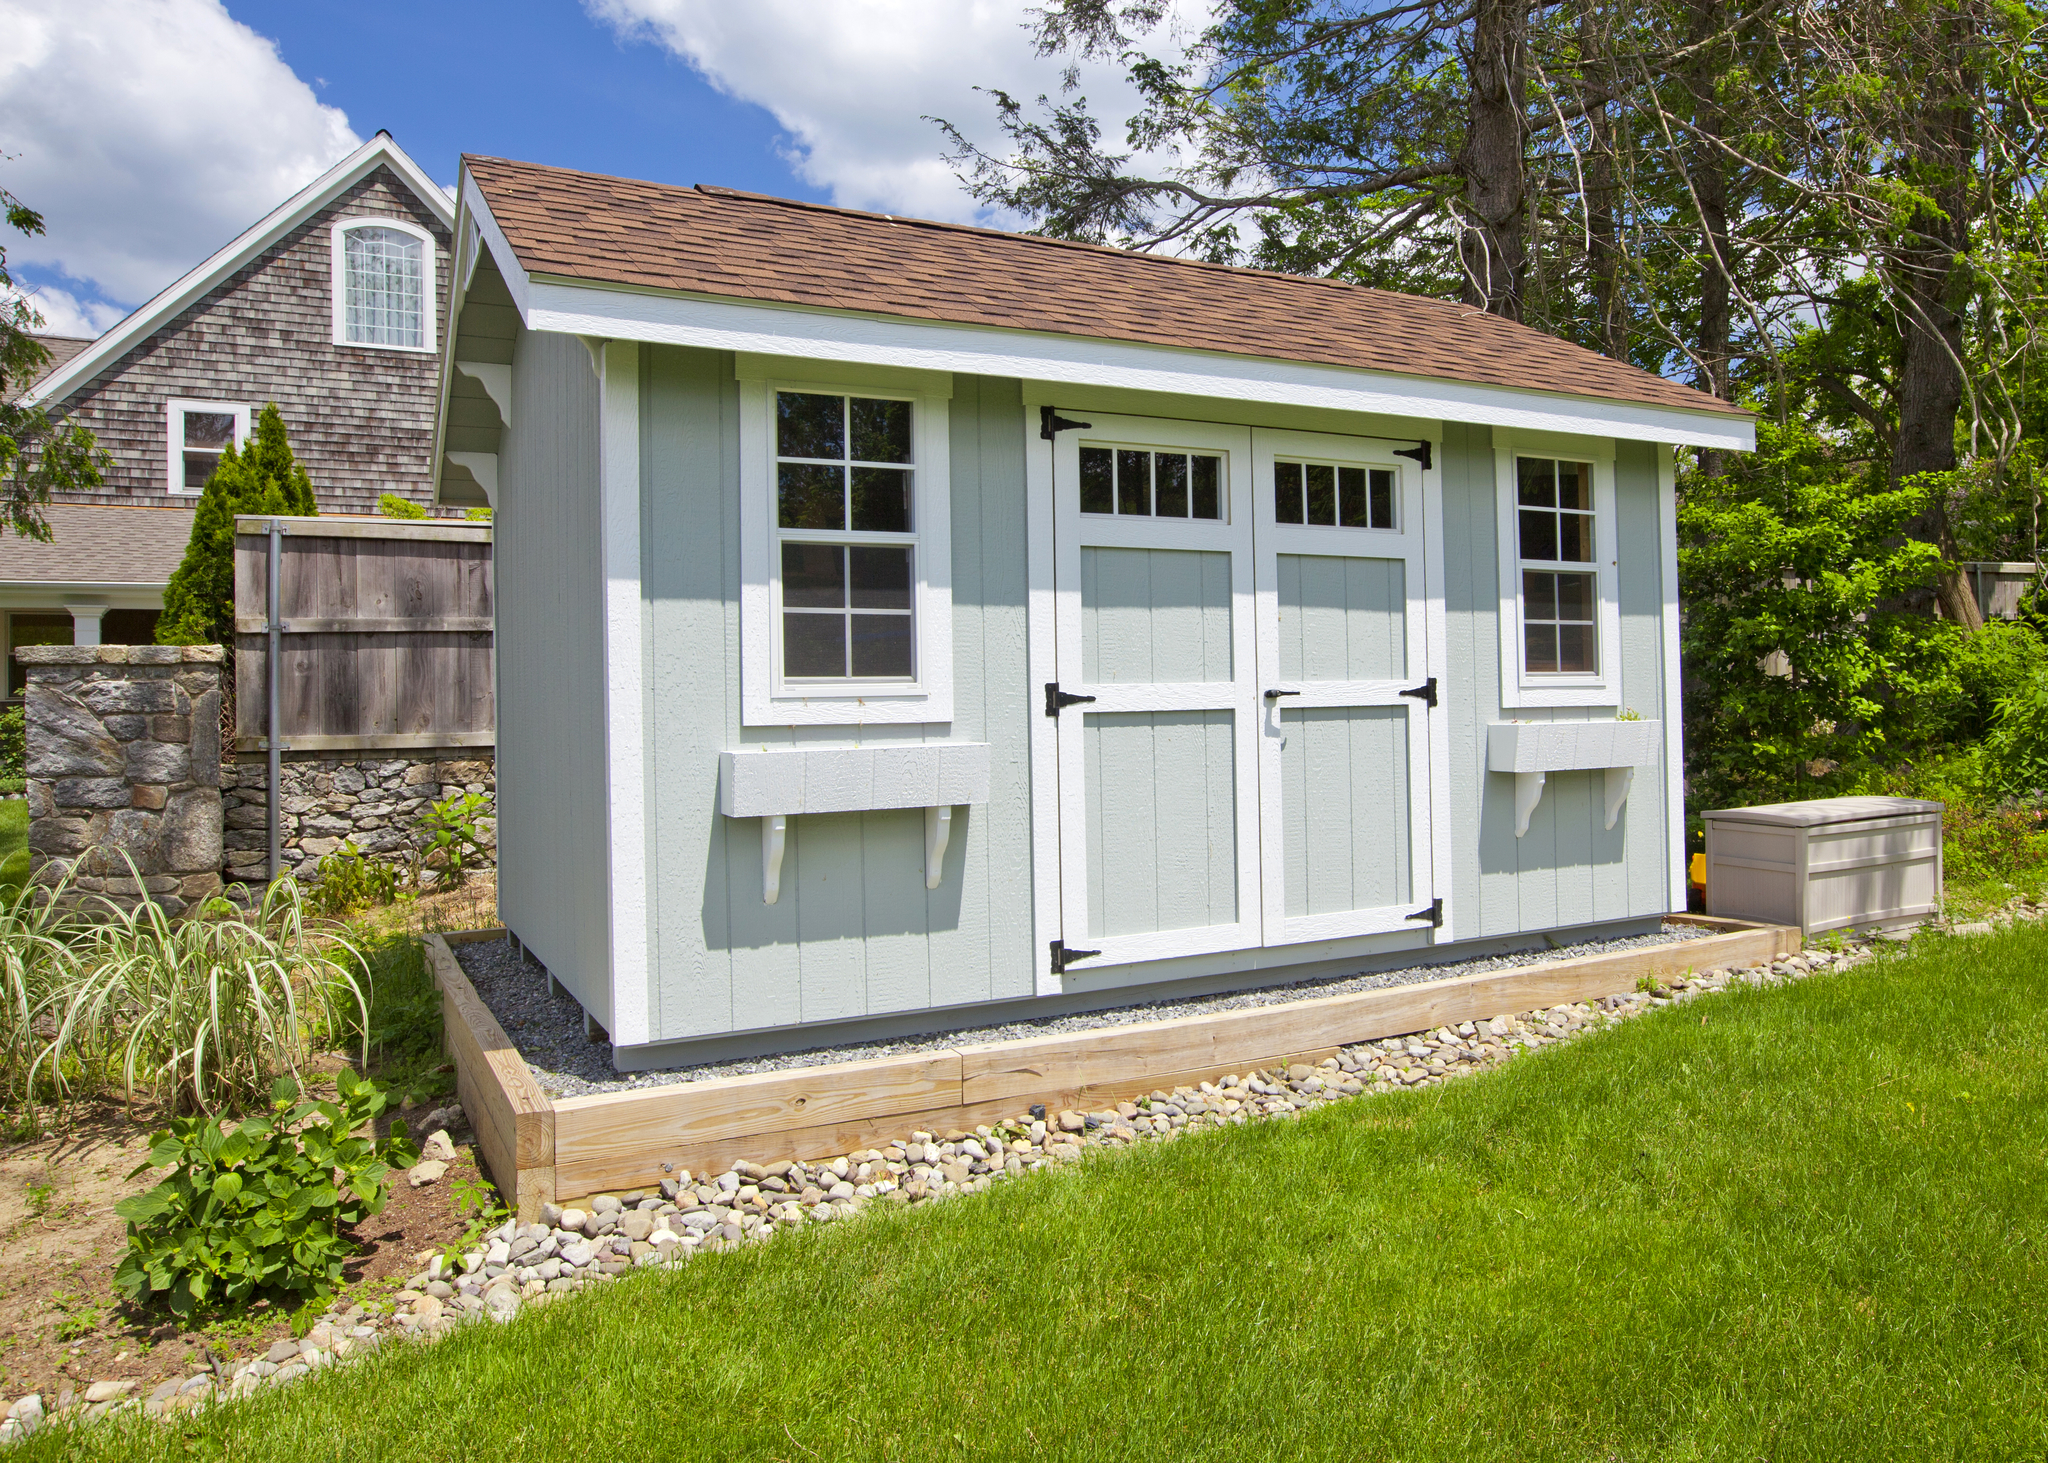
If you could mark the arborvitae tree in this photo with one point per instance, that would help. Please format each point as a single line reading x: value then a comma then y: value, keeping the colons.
x: 264, y: 477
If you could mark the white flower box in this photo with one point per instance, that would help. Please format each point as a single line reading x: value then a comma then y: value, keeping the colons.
x: 1532, y: 750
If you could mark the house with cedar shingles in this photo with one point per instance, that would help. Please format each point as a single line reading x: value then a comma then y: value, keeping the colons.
x: 331, y: 306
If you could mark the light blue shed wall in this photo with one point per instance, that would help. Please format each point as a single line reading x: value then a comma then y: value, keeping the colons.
x: 552, y: 887
x: 1568, y: 869
x: 855, y: 933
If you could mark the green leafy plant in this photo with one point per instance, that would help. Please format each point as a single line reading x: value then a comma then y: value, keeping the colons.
x: 454, y: 836
x: 256, y: 1211
x: 202, y: 1012
x: 478, y: 1202
x: 393, y: 506
x: 478, y: 515
x: 38, y: 962
x: 349, y: 881
x: 13, y: 743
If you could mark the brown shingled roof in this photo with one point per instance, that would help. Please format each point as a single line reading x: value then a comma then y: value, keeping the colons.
x: 715, y: 241
x: 99, y: 545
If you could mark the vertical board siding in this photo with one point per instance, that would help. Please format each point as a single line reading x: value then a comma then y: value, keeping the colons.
x: 1568, y: 869
x: 1344, y: 808
x: 854, y: 932
x: 552, y: 885
x: 1162, y: 820
x: 1342, y: 619
x: 1155, y: 615
x: 379, y: 683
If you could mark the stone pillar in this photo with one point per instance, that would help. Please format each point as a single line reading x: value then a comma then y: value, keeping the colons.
x: 124, y: 757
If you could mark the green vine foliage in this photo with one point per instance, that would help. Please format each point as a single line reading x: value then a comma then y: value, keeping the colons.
x: 1797, y: 673
x: 257, y: 1211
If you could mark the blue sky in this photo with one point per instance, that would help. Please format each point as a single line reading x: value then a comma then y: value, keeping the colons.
x: 150, y: 133
x: 596, y: 101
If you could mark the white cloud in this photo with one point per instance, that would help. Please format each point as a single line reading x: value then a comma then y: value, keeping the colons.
x: 148, y: 133
x: 852, y: 82
x: 65, y: 314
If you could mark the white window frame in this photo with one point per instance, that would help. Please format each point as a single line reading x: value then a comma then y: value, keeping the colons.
x: 766, y: 699
x: 338, y: 283
x: 1521, y: 687
x: 174, y: 437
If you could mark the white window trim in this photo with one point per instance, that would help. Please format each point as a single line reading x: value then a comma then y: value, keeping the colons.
x: 1519, y: 687
x: 764, y: 699
x: 338, y: 283
x: 174, y: 437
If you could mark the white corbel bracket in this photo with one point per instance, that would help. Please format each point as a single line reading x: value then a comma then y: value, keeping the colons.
x: 938, y: 832
x: 1528, y: 793
x: 774, y: 839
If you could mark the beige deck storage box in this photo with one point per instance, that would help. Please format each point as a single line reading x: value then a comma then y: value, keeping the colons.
x: 1835, y: 863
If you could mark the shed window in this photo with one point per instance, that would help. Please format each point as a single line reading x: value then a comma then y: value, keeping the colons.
x: 846, y: 521
x: 1555, y: 528
x: 383, y: 285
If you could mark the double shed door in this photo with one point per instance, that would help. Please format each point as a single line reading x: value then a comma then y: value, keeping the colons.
x: 1238, y: 615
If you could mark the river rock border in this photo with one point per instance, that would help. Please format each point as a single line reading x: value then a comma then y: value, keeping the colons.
x: 612, y: 1235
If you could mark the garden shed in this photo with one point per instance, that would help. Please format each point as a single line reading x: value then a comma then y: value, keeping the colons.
x: 904, y: 626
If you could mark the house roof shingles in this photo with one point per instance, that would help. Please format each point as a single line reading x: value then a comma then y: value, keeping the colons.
x: 99, y: 545
x: 719, y: 242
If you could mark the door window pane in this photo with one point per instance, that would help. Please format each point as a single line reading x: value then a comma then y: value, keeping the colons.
x: 1098, y: 481
x: 1333, y: 495
x: 1151, y: 484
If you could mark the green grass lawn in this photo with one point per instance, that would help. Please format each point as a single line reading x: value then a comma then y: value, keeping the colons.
x: 1807, y: 1223
x: 13, y: 841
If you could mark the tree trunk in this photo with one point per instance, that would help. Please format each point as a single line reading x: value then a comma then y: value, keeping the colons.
x: 1708, y: 165
x: 1493, y: 162
x: 1930, y: 288
x: 1603, y: 262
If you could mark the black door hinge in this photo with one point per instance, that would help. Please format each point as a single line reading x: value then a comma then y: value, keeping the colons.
x: 1062, y: 957
x: 1434, y: 914
x: 1425, y: 693
x: 1276, y: 694
x: 1051, y: 423
x: 1055, y: 698
x: 1418, y: 453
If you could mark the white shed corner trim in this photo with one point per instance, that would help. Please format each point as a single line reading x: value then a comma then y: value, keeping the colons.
x: 775, y: 784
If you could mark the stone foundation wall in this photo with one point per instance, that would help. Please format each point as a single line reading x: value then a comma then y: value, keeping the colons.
x: 124, y: 757
x: 376, y: 800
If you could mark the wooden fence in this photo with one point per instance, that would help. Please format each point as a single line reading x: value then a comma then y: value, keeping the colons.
x: 386, y: 641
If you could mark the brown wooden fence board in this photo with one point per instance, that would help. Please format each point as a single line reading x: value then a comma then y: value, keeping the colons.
x: 388, y: 634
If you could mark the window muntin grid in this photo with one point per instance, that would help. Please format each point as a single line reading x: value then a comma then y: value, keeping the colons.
x: 1150, y: 483
x: 384, y: 287
x: 1555, y: 525
x: 1335, y: 495
x: 845, y: 501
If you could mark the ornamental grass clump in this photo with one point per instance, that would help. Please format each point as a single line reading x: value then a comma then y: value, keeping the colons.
x: 37, y: 964
x: 202, y: 1013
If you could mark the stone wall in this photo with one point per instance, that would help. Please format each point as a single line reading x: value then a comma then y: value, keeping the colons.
x: 124, y: 758
x: 374, y: 799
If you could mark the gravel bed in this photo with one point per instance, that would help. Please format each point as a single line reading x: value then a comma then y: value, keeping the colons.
x: 548, y: 1030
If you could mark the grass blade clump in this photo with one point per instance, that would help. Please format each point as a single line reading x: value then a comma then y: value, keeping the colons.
x: 203, y: 1013
x: 37, y: 964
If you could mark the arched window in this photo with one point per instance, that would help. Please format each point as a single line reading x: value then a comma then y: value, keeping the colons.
x: 383, y: 285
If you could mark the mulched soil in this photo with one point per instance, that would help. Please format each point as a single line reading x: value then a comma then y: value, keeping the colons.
x: 62, y: 1325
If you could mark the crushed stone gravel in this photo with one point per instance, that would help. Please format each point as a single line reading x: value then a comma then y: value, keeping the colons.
x: 548, y: 1030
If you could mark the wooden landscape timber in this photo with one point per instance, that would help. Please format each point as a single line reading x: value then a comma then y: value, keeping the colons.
x: 544, y: 1149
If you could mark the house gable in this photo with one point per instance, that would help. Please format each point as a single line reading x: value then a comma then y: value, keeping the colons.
x: 360, y: 418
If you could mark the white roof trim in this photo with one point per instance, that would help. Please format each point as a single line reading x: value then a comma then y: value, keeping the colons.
x: 144, y: 322
x: 617, y: 313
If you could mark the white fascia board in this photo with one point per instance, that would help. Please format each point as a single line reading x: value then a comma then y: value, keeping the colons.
x: 140, y: 324
x: 737, y: 325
